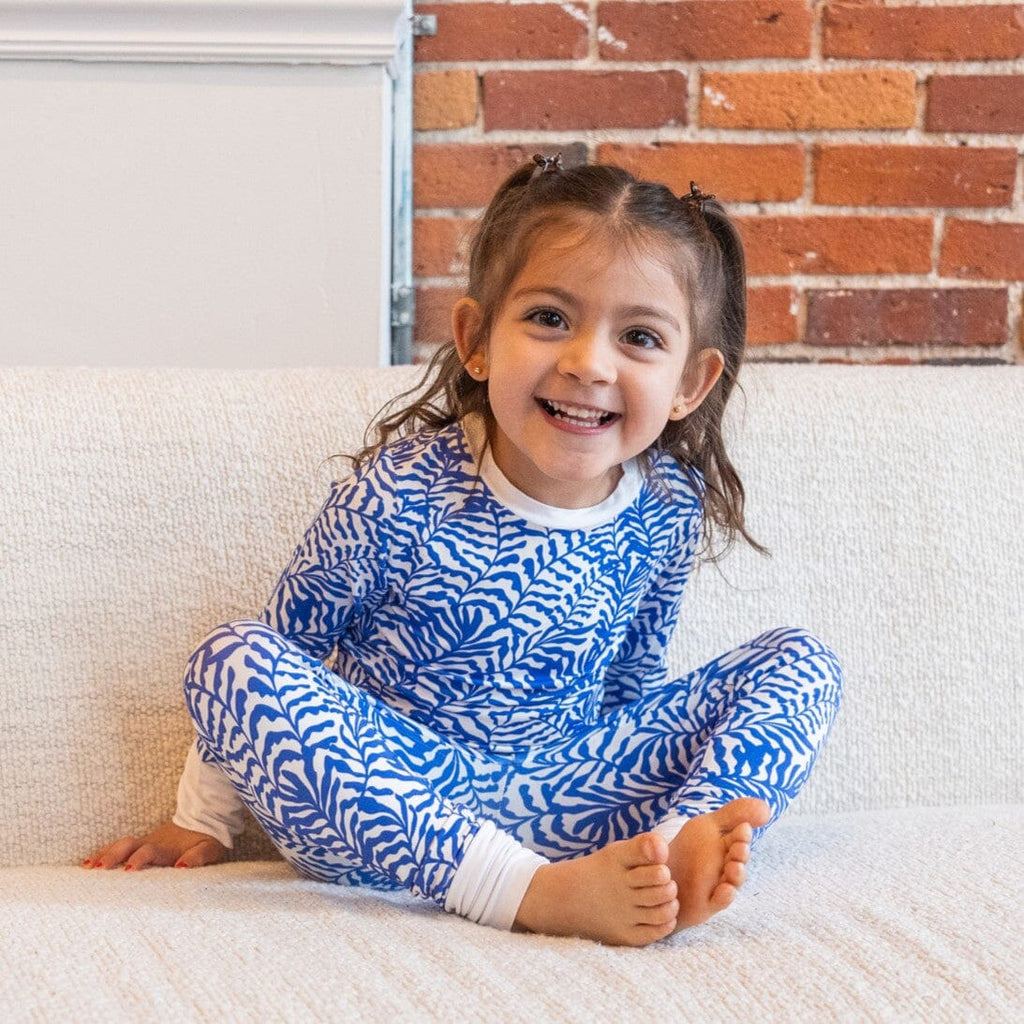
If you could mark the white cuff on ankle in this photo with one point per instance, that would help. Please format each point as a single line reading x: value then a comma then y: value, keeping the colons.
x: 492, y: 879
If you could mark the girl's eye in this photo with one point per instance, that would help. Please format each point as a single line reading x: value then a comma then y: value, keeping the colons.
x: 640, y: 337
x: 547, y: 318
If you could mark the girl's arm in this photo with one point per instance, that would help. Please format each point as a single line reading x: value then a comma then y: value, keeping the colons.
x: 336, y: 572
x: 315, y: 598
x: 333, y: 572
x: 640, y: 664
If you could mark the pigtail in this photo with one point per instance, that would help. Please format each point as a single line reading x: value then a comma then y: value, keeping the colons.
x: 718, y: 319
x: 726, y: 497
x: 437, y: 399
x: 446, y: 392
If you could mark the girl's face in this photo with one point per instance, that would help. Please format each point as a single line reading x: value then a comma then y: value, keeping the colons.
x: 586, y: 361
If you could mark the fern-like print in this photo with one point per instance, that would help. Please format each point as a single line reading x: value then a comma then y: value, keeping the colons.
x: 431, y: 659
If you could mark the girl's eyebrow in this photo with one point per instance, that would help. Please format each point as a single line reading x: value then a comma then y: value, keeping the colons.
x: 652, y: 312
x: 627, y: 312
x: 558, y: 293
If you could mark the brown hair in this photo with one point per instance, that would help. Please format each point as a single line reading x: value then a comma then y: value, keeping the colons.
x: 707, y: 257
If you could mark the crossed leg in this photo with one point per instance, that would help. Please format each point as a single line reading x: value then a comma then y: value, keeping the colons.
x: 348, y: 789
x: 692, y: 772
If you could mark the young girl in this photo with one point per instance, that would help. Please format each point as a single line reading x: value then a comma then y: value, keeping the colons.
x: 495, y: 587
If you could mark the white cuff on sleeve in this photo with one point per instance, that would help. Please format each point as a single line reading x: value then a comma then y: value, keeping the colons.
x: 207, y: 802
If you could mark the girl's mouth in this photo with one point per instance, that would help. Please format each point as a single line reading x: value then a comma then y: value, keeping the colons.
x: 577, y: 415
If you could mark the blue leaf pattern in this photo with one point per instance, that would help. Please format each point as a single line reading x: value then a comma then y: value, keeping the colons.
x: 481, y: 666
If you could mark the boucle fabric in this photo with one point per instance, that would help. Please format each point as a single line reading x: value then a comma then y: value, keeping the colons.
x: 142, y: 507
x: 923, y: 940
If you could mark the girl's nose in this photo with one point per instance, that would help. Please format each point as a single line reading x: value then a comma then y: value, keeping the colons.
x: 588, y: 358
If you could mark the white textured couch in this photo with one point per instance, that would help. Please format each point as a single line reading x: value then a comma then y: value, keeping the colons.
x: 141, y: 507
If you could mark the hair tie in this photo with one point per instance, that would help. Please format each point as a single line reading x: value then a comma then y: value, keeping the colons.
x: 696, y: 198
x: 546, y: 164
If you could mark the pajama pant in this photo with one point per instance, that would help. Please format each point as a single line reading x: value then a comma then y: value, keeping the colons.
x: 352, y: 791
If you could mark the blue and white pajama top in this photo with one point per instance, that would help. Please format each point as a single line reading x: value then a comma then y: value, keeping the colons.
x: 497, y: 673
x: 430, y: 581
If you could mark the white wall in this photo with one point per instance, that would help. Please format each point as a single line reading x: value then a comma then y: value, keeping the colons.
x: 164, y: 210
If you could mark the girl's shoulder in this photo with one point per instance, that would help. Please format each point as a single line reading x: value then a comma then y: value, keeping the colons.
x: 413, y: 464
x: 427, y: 454
x: 678, y: 483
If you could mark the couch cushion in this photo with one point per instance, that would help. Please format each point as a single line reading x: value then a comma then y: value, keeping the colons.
x: 902, y: 915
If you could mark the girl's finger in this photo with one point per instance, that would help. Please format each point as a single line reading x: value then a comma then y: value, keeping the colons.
x: 112, y: 855
x: 209, y: 851
x: 147, y: 855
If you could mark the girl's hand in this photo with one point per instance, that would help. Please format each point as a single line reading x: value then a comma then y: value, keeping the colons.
x: 166, y: 845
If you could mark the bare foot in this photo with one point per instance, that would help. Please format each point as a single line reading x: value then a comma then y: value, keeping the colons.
x: 708, y: 859
x: 622, y: 894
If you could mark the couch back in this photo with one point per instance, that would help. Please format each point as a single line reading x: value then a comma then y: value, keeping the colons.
x: 142, y: 507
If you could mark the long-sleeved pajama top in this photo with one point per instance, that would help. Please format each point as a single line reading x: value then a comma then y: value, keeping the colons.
x: 431, y: 582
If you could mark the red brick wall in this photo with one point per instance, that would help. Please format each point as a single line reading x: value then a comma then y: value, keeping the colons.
x: 871, y: 152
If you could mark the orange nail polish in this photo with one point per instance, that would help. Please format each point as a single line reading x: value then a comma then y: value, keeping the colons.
x: 181, y: 864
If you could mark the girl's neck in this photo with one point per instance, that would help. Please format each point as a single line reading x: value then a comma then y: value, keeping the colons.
x: 537, y: 512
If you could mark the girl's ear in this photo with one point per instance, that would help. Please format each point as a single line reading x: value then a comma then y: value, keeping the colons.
x: 697, y: 381
x: 467, y: 318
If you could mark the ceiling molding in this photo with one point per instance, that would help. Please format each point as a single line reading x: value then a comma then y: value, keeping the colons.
x: 202, y: 31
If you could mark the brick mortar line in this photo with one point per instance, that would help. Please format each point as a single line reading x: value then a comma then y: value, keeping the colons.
x: 798, y: 307
x: 796, y: 210
x: 938, y: 234
x: 593, y: 44
x: 695, y: 91
x: 914, y: 354
x: 921, y: 106
x: 907, y: 137
x: 932, y: 281
x: 797, y: 207
x: 810, y: 179
x: 1015, y: 318
x: 817, y: 30
x: 746, y: 65
x: 824, y: 282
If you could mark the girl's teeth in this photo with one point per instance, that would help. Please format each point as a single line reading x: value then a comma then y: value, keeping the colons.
x: 591, y: 417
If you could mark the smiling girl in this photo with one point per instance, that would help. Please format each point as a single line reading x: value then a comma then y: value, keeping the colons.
x: 494, y: 589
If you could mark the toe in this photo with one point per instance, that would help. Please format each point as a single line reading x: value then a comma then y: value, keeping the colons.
x: 646, y: 849
x: 655, y: 895
x: 649, y: 875
x: 738, y: 850
x: 744, y: 810
x: 722, y: 897
x: 665, y: 914
x: 734, y: 873
x: 742, y: 833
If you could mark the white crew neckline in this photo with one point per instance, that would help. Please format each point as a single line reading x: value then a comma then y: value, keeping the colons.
x: 538, y: 513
